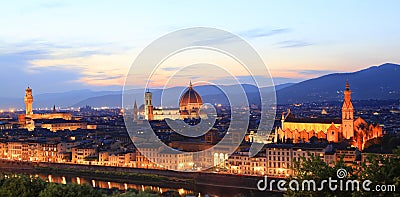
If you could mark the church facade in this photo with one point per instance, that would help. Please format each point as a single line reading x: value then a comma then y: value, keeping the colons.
x: 189, y: 106
x: 356, y: 131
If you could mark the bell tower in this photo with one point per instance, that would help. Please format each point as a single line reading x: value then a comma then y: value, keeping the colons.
x: 135, y: 111
x: 347, y: 114
x: 28, y: 99
x: 148, y: 105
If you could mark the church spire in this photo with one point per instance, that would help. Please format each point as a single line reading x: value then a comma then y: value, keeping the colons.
x: 347, y: 94
x: 347, y: 114
x: 135, y: 111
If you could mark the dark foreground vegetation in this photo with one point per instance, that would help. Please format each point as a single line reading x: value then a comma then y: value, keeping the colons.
x: 28, y: 186
x: 382, y: 171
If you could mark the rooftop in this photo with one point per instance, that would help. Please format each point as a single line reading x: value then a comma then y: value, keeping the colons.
x: 55, y: 121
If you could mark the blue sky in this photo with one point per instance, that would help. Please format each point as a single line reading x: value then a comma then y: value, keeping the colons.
x: 58, y: 46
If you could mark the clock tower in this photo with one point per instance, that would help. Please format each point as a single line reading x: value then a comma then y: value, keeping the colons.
x: 28, y: 99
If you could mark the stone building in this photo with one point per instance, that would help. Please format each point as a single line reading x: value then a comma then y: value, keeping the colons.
x: 53, y: 121
x: 356, y: 131
x: 189, y: 106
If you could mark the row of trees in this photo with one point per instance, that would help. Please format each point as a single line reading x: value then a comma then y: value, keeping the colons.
x: 378, y: 169
x: 25, y: 186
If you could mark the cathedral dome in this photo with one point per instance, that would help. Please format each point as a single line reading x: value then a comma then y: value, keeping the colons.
x: 190, y: 96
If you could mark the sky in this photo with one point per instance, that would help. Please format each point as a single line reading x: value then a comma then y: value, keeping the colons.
x: 57, y: 46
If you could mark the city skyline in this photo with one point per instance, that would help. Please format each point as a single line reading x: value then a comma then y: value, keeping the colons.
x: 73, y: 50
x: 186, y: 98
x: 328, y: 87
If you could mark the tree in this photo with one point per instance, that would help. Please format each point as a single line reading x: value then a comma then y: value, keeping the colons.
x: 69, y: 190
x: 20, y: 185
x: 378, y: 169
x: 381, y: 170
x: 315, y: 169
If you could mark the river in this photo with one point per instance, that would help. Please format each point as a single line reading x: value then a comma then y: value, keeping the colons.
x: 198, y: 190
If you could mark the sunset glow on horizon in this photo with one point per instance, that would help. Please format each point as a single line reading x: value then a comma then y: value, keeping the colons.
x: 88, y: 45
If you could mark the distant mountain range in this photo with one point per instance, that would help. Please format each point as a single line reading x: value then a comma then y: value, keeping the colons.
x: 63, y: 99
x: 376, y: 82
x: 210, y: 94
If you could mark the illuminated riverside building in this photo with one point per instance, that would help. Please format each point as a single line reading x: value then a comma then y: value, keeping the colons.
x: 163, y: 159
x: 276, y: 160
x: 241, y: 163
x: 117, y: 159
x: 357, y: 131
x: 279, y: 159
x: 82, y: 153
x: 30, y: 151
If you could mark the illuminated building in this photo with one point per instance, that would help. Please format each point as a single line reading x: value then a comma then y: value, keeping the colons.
x: 48, y: 152
x: 59, y: 124
x: 28, y: 99
x: 279, y: 159
x: 121, y: 159
x: 81, y: 153
x: 189, y: 106
x: 35, y: 151
x: 163, y: 159
x: 190, y: 103
x: 5, y: 125
x: 241, y: 163
x: 357, y: 131
x: 348, y: 155
x: 54, y: 121
x: 3, y: 149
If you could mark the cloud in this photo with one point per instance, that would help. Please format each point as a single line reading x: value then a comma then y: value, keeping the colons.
x: 17, y: 75
x: 86, y: 64
x: 257, y: 33
x: 93, y: 64
x: 293, y: 44
x: 71, y: 49
x: 297, y: 75
x: 170, y: 68
x: 250, y: 80
x: 317, y: 72
x: 224, y: 39
x: 22, y: 56
x: 283, y: 80
x: 227, y: 38
x: 245, y: 79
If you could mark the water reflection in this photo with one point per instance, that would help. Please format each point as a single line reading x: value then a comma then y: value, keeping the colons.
x: 199, y: 190
x: 108, y: 184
